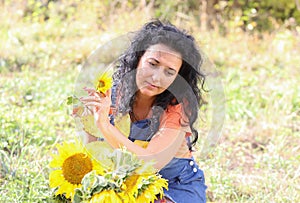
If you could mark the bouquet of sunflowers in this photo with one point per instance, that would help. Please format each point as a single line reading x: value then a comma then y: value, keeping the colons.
x: 97, y: 173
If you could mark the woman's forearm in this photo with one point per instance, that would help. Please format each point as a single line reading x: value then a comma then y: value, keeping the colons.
x: 160, y: 150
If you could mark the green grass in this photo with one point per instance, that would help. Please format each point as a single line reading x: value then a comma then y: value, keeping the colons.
x: 257, y: 158
x: 33, y: 118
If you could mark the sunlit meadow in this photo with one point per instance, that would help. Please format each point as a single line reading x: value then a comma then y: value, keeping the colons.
x: 257, y: 157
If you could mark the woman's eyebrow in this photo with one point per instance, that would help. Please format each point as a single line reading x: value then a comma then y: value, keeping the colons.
x: 157, y: 61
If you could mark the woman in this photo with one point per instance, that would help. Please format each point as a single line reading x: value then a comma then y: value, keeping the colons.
x: 157, y: 84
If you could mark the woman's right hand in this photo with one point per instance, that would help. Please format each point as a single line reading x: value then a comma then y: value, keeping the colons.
x: 90, y: 103
x: 92, y: 100
x: 99, y: 103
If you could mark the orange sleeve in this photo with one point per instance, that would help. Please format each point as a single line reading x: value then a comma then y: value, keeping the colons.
x: 175, y: 118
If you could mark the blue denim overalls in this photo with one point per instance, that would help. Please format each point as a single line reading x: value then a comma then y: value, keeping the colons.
x: 186, y: 182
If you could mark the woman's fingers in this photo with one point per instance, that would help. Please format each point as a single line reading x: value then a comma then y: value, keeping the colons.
x: 95, y: 97
x: 93, y: 92
x: 95, y: 101
x: 90, y: 91
x: 90, y: 98
x: 87, y: 111
x: 97, y: 104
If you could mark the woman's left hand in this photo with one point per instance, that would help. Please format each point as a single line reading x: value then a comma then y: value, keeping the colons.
x: 99, y: 103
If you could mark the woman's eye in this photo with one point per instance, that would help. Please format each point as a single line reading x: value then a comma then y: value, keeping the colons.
x: 152, y: 64
x: 170, y: 72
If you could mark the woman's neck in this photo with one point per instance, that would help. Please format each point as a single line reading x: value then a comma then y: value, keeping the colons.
x: 142, y: 106
x: 143, y: 101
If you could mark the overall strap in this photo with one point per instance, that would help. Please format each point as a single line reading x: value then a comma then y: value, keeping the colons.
x: 113, y: 103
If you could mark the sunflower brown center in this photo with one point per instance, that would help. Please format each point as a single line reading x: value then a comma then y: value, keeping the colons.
x: 75, y: 167
x: 101, y: 84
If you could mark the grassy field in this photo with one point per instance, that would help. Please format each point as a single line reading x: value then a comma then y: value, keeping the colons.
x: 257, y: 158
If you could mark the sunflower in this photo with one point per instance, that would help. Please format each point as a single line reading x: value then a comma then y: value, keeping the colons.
x: 148, y: 194
x: 103, y: 83
x: 71, y: 165
x: 106, y: 196
x: 130, y: 189
x: 144, y: 187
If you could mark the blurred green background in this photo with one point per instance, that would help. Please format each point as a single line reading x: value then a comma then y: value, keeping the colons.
x: 255, y: 46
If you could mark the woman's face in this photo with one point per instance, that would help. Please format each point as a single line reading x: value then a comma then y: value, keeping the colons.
x: 157, y: 69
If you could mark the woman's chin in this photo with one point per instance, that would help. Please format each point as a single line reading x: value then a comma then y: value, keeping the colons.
x: 147, y: 92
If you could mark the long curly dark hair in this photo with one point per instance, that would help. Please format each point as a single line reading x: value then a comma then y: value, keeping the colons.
x: 186, y: 87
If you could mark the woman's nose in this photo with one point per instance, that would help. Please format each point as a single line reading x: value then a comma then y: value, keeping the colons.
x: 156, y: 75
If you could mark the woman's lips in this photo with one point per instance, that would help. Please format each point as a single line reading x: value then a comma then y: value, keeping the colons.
x: 151, y: 85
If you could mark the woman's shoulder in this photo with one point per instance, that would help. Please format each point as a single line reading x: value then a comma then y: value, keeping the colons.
x: 176, y: 110
x: 174, y: 116
x: 177, y: 107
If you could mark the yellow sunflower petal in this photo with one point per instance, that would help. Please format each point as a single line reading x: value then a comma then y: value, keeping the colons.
x: 97, y: 167
x: 114, y: 197
x: 109, y: 196
x: 149, y: 195
x: 63, y: 151
x: 56, y: 161
x: 71, y: 148
x: 68, y: 189
x: 100, y: 197
x: 154, y: 189
x: 103, y: 82
x: 132, y: 185
x: 126, y: 198
x: 142, y: 198
x: 55, y: 178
